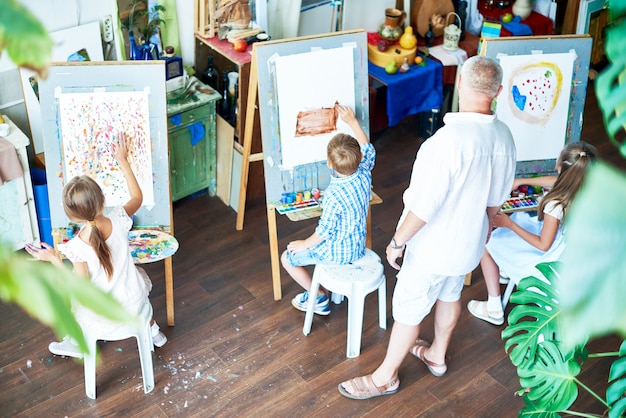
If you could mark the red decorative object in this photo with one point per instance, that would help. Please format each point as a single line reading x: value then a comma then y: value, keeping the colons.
x: 538, y: 23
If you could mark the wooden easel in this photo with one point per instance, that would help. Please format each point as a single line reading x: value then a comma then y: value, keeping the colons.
x: 247, y: 158
x: 76, y: 77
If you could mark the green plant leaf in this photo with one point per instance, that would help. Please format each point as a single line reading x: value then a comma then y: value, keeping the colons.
x: 25, y: 39
x: 535, y: 318
x: 532, y: 410
x: 592, y: 297
x: 552, y: 379
x: 46, y: 293
x: 616, y: 392
x: 611, y: 83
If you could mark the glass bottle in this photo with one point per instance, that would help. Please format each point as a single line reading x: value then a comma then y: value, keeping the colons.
x: 429, y: 36
x: 133, y: 50
x: 209, y: 76
x: 233, y: 79
x: 224, y: 107
x: 236, y: 107
x: 146, y: 51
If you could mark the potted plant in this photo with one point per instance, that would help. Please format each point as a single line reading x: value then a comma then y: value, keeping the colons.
x: 142, y: 22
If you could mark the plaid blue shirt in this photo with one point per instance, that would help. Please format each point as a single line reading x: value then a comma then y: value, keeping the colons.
x: 343, y: 224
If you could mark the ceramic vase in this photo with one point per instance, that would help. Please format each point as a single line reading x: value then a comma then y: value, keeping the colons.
x: 522, y: 8
x: 391, y: 30
x: 408, y: 40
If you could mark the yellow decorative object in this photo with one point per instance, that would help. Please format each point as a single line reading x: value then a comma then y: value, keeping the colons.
x: 382, y: 58
x: 408, y: 39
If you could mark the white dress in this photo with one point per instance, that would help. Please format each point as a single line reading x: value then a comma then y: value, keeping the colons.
x: 516, y: 257
x: 128, y: 284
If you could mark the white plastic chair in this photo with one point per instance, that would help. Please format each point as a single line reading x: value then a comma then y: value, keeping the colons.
x: 355, y: 281
x: 143, y: 335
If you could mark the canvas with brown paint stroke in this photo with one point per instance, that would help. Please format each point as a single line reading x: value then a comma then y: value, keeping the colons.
x: 317, y: 121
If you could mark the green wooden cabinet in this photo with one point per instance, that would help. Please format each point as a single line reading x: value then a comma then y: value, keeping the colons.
x: 192, y: 144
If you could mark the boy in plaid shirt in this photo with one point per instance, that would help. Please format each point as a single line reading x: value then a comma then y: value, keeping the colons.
x: 340, y: 234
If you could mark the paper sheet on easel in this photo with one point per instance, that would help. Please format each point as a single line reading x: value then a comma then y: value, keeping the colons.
x: 90, y: 124
x: 310, y: 81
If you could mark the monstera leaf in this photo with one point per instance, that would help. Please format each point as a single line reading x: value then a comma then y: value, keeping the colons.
x: 617, y: 389
x: 594, y: 267
x: 532, y: 409
x: 25, y: 39
x: 535, y: 318
x: 46, y: 293
x: 611, y: 83
x: 551, y: 382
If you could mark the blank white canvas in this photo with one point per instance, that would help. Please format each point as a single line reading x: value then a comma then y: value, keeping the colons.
x: 540, y: 128
x: 308, y: 81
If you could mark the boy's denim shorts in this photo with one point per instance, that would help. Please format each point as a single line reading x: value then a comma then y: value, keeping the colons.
x: 304, y: 258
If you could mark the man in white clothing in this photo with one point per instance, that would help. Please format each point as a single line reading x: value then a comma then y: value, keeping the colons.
x: 461, y: 177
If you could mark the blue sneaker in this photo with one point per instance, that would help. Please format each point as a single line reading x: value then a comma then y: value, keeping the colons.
x: 301, y: 301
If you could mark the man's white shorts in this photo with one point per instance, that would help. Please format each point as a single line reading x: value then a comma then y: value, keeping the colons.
x: 417, y: 291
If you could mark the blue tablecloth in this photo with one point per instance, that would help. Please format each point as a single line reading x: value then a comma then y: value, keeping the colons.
x: 418, y: 90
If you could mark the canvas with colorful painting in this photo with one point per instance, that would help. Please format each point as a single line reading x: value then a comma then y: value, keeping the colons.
x: 90, y: 126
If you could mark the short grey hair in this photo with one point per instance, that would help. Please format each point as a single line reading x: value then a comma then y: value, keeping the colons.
x: 482, y: 75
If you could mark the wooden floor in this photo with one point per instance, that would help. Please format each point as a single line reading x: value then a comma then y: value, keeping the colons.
x: 236, y: 352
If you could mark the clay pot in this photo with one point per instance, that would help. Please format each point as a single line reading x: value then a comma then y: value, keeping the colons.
x: 391, y: 30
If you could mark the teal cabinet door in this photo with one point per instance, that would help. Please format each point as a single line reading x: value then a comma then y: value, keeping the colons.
x: 192, y: 148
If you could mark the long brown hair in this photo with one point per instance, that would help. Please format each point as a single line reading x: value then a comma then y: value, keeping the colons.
x: 574, y: 162
x: 83, y: 200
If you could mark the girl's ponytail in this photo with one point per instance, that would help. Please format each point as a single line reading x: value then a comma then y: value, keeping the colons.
x: 83, y: 200
x: 101, y: 248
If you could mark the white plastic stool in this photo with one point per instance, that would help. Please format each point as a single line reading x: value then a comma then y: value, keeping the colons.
x: 143, y: 335
x: 510, y: 287
x: 355, y: 281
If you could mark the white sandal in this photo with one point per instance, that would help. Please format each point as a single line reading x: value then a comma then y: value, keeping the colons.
x: 479, y: 310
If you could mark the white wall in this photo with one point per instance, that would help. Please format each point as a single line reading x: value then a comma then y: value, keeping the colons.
x: 357, y: 14
x: 368, y: 14
x: 55, y: 15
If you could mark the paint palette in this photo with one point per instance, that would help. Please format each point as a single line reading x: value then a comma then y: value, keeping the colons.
x: 520, y: 204
x: 150, y: 245
x: 284, y: 208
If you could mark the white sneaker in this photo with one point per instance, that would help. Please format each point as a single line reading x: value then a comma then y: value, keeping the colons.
x: 158, y: 338
x: 67, y: 348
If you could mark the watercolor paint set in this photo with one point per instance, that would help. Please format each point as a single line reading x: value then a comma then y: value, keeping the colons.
x: 295, y: 202
x: 518, y: 204
x: 283, y: 208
